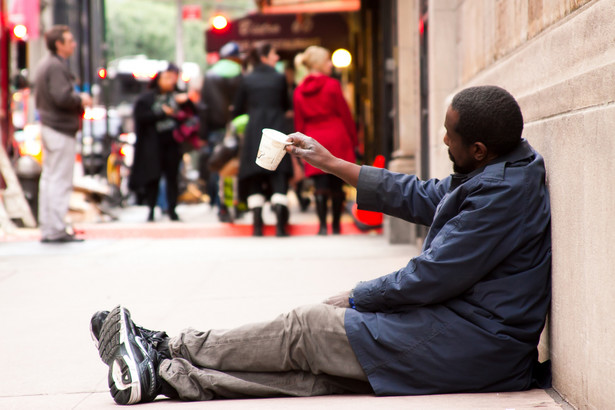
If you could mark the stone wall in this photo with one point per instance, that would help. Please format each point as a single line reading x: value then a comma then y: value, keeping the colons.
x: 557, y: 57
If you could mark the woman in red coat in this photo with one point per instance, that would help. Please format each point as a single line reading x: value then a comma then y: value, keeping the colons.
x: 322, y: 113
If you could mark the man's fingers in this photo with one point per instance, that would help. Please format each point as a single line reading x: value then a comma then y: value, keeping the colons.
x: 295, y: 150
x: 298, y: 139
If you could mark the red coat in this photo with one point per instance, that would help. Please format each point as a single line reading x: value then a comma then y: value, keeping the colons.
x: 321, y: 112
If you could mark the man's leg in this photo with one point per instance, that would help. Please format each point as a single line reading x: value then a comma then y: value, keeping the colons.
x: 305, y: 352
x: 56, y: 182
x: 195, y: 384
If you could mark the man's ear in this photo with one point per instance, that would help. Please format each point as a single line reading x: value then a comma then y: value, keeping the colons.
x: 479, y: 151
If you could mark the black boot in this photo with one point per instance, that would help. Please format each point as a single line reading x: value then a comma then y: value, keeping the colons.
x: 337, y: 204
x: 304, y: 202
x: 257, y: 221
x: 321, y: 211
x: 150, y: 217
x: 282, y: 214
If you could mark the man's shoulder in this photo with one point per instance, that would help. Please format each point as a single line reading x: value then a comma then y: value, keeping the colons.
x: 225, y: 69
x: 44, y: 64
x: 51, y: 60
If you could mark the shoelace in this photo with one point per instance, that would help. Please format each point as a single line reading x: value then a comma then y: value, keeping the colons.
x: 157, y: 339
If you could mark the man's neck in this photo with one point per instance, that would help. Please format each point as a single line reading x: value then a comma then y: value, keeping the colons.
x: 62, y: 56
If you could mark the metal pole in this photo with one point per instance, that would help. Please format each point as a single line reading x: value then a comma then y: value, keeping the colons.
x: 179, y: 35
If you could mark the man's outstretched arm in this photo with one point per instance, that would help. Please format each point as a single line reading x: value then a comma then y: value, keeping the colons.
x: 312, y: 152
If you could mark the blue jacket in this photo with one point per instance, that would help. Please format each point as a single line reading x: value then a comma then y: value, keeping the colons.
x: 466, y: 314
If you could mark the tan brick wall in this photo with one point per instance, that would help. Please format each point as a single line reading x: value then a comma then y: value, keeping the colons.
x: 491, y: 29
x: 557, y: 57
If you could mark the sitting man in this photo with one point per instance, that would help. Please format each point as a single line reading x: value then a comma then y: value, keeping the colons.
x: 463, y: 316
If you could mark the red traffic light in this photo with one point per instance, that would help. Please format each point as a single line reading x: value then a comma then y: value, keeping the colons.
x: 20, y: 31
x: 219, y: 22
x: 102, y: 73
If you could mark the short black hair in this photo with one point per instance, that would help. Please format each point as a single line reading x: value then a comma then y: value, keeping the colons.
x: 491, y: 115
x: 55, y: 33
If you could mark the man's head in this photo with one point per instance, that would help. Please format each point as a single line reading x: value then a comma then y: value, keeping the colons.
x: 482, y: 123
x: 60, y: 41
x: 230, y: 51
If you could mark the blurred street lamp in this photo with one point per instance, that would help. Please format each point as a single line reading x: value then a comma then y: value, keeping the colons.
x: 341, y: 58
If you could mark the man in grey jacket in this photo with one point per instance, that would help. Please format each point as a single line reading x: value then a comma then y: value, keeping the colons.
x: 60, y: 108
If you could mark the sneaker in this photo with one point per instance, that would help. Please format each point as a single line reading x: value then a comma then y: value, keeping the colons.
x: 96, y: 324
x: 132, y: 358
x: 65, y: 238
x: 154, y: 337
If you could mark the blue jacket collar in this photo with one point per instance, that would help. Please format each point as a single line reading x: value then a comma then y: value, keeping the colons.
x: 497, y: 166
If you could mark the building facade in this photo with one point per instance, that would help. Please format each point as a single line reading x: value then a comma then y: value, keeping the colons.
x: 557, y: 57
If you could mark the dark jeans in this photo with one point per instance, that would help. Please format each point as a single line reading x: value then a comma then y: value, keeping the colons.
x: 169, y: 165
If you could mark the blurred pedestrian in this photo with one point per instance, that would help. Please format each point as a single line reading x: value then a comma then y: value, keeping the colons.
x: 322, y: 113
x: 60, y: 108
x: 157, y: 153
x: 263, y: 96
x: 219, y: 88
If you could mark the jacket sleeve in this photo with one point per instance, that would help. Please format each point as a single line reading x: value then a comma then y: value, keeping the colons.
x: 467, y: 248
x: 61, y: 90
x: 399, y: 195
x: 344, y: 112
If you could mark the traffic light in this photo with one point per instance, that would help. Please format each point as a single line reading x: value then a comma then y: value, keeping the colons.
x: 22, y: 55
x: 219, y: 23
x: 102, y: 73
x: 20, y: 33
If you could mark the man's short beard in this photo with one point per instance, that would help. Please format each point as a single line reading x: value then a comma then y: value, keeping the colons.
x: 457, y: 168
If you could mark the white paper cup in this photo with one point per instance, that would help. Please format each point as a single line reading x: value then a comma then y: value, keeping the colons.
x: 271, y: 149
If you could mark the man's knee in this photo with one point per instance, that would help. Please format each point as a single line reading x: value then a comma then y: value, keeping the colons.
x: 318, y: 315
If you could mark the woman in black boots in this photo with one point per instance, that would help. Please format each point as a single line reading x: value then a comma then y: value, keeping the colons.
x: 263, y: 96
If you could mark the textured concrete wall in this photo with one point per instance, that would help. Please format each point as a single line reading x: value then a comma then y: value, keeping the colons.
x: 558, y: 58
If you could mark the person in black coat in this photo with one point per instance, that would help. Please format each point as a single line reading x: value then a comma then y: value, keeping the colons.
x: 263, y: 96
x: 156, y: 151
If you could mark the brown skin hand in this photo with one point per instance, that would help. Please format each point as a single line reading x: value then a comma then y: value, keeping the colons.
x: 315, y: 154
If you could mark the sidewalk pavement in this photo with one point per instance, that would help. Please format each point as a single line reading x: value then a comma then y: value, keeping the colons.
x: 49, y: 292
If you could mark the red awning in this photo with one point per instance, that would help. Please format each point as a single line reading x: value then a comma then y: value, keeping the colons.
x: 286, y: 32
x: 309, y: 6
